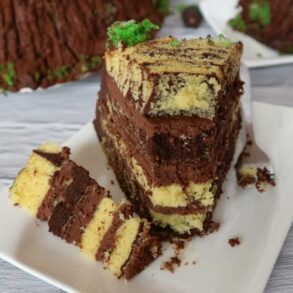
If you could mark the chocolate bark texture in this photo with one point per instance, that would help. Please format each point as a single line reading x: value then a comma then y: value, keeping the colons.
x: 47, y: 42
x: 268, y: 21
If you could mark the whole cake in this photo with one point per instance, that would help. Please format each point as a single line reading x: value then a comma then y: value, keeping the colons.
x: 46, y: 42
x: 52, y: 187
x: 268, y: 21
x: 168, y: 117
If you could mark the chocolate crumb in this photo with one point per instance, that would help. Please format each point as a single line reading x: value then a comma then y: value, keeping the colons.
x: 194, y: 262
x: 213, y: 227
x: 112, y: 182
x: 174, y: 261
x: 234, y: 241
x: 171, y: 264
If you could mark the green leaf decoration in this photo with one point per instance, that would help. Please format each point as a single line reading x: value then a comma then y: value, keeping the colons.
x: 130, y: 33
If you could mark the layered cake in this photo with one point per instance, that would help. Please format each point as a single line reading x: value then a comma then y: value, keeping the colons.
x: 268, y: 21
x: 46, y: 42
x: 168, y: 118
x: 52, y: 187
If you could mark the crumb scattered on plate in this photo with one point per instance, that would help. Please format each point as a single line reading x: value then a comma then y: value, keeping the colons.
x: 234, y: 241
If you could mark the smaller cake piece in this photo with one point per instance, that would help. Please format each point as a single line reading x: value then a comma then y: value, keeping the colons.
x: 52, y: 187
x: 36, y: 186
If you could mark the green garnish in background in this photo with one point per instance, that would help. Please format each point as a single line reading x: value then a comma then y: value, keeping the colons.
x: 260, y: 11
x: 180, y: 7
x: 237, y: 23
x: 163, y: 6
x: 175, y: 43
x: 90, y: 62
x: 7, y: 73
x: 130, y: 33
x: 37, y: 76
x: 61, y: 71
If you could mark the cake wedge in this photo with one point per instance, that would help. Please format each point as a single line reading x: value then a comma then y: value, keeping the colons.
x: 168, y: 117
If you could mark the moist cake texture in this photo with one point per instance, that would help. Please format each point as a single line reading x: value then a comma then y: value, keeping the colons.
x: 268, y: 21
x: 168, y: 117
x: 47, y: 42
x: 52, y: 187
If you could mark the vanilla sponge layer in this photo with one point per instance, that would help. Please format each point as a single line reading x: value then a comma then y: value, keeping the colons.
x: 125, y: 237
x: 97, y: 228
x: 32, y: 184
x: 182, y: 224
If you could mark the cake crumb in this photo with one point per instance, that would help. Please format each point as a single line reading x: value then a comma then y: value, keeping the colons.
x: 186, y: 263
x: 234, y: 241
x: 112, y: 182
x: 194, y: 262
x: 174, y: 261
x: 213, y: 227
x: 171, y: 264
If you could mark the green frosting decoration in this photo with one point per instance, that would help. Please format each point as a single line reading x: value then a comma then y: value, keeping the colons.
x: 260, y: 11
x: 238, y: 23
x: 224, y: 41
x: 130, y: 33
x: 175, y: 43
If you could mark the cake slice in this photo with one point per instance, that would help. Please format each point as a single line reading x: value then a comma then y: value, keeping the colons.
x: 168, y: 117
x: 52, y: 187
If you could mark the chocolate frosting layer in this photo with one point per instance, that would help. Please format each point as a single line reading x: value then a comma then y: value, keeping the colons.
x: 83, y: 212
x: 56, y: 182
x: 145, y: 249
x: 107, y: 244
x: 69, y: 196
x: 55, y: 158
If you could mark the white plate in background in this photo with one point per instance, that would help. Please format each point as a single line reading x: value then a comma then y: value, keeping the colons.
x: 218, y: 12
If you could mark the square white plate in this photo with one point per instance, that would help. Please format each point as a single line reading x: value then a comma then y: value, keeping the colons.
x: 218, y: 12
x: 261, y: 221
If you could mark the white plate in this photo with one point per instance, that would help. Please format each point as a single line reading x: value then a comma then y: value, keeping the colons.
x: 218, y: 12
x: 260, y: 220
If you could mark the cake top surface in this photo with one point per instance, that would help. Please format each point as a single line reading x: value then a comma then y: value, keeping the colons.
x: 167, y: 76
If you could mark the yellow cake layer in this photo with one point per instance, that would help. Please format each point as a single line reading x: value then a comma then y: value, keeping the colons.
x: 33, y: 182
x: 125, y: 237
x: 180, y: 223
x: 98, y: 226
x: 173, y: 195
x: 181, y: 78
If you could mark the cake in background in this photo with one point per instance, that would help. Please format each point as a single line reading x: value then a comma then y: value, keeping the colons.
x: 46, y: 42
x: 168, y: 117
x: 52, y: 187
x: 268, y: 21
